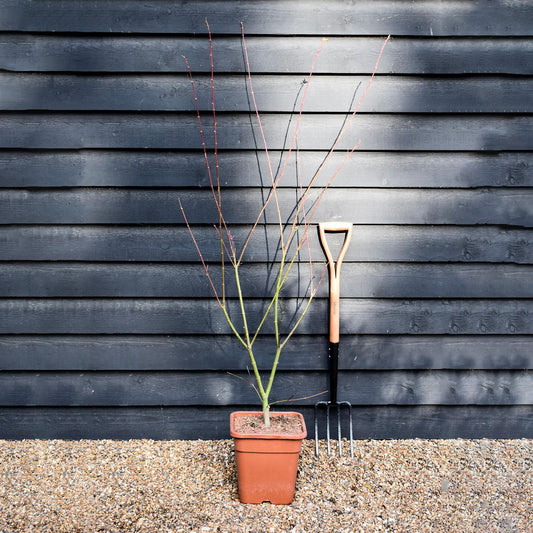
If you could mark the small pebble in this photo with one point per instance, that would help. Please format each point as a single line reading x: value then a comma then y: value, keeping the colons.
x: 183, y: 486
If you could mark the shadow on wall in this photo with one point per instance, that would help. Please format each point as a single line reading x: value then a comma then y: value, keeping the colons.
x: 441, y: 252
x: 451, y: 299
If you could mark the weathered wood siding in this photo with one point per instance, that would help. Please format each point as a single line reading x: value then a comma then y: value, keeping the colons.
x: 107, y: 328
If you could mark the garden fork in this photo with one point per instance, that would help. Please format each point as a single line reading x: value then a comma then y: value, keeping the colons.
x: 334, y: 268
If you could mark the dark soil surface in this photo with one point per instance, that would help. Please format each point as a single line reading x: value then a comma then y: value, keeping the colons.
x: 286, y: 424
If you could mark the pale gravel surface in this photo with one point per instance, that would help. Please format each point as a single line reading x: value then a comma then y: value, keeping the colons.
x: 153, y: 486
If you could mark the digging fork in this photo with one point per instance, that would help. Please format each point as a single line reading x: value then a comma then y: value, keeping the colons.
x: 334, y: 268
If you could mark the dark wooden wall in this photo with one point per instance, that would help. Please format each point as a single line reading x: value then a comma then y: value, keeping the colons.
x: 106, y: 325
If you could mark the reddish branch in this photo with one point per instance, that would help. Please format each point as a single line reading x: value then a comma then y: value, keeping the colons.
x: 300, y: 215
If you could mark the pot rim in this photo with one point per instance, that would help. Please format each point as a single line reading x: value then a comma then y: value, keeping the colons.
x: 271, y: 436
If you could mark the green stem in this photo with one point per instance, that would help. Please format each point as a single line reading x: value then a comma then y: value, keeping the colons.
x: 273, y: 370
x: 300, y: 318
x: 232, y: 326
x: 266, y: 411
x: 248, y: 345
x: 279, y: 285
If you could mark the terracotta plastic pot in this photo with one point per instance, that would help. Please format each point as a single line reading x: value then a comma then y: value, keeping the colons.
x: 267, y: 464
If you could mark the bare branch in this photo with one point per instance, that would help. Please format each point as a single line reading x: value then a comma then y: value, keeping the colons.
x: 292, y: 399
x: 299, y: 222
x: 206, y: 270
x: 273, y: 191
x: 248, y: 381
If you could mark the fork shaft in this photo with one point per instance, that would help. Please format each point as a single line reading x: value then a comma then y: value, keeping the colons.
x: 333, y: 370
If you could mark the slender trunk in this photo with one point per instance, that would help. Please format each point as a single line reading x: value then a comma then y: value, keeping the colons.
x: 266, y: 412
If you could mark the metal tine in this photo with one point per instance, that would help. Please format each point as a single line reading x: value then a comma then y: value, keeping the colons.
x: 328, y: 406
x: 316, y: 426
x: 350, y: 420
x: 339, y: 428
x: 351, y: 428
x: 328, y: 435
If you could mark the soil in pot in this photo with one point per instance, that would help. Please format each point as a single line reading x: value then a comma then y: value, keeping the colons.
x: 253, y: 423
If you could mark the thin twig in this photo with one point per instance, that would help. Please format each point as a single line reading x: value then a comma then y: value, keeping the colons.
x: 206, y: 270
x: 217, y: 171
x: 273, y: 190
x: 292, y: 399
x: 249, y: 382
x: 265, y: 144
x: 344, y: 129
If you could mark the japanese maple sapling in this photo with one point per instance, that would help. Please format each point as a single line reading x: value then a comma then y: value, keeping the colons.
x: 294, y: 229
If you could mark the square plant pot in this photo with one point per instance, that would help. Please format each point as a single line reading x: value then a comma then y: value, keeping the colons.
x: 267, y: 463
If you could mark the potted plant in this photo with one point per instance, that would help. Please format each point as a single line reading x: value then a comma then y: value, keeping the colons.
x: 262, y: 439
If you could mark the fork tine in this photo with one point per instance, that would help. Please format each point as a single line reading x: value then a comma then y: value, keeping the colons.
x: 351, y: 428
x: 328, y: 406
x: 339, y: 429
x: 350, y: 421
x: 318, y: 411
x: 316, y: 428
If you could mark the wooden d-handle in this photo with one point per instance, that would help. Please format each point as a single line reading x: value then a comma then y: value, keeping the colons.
x: 334, y: 268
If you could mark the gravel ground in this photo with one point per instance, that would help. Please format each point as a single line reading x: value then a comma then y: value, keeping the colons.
x: 154, y: 486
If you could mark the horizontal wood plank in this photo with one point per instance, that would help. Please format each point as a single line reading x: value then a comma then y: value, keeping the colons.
x: 336, y: 94
x: 349, y: 55
x: 153, y: 388
x: 222, y: 352
x: 338, y: 17
x: 155, y: 352
x: 242, y: 206
x: 218, y: 388
x: 359, y: 280
x: 174, y: 244
x: 437, y: 388
x: 397, y: 352
x: 316, y: 132
x: 106, y: 320
x: 370, y: 422
x: 169, y: 316
x: 102, y: 168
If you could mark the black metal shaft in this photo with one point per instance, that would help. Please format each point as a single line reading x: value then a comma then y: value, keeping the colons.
x: 333, y: 370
